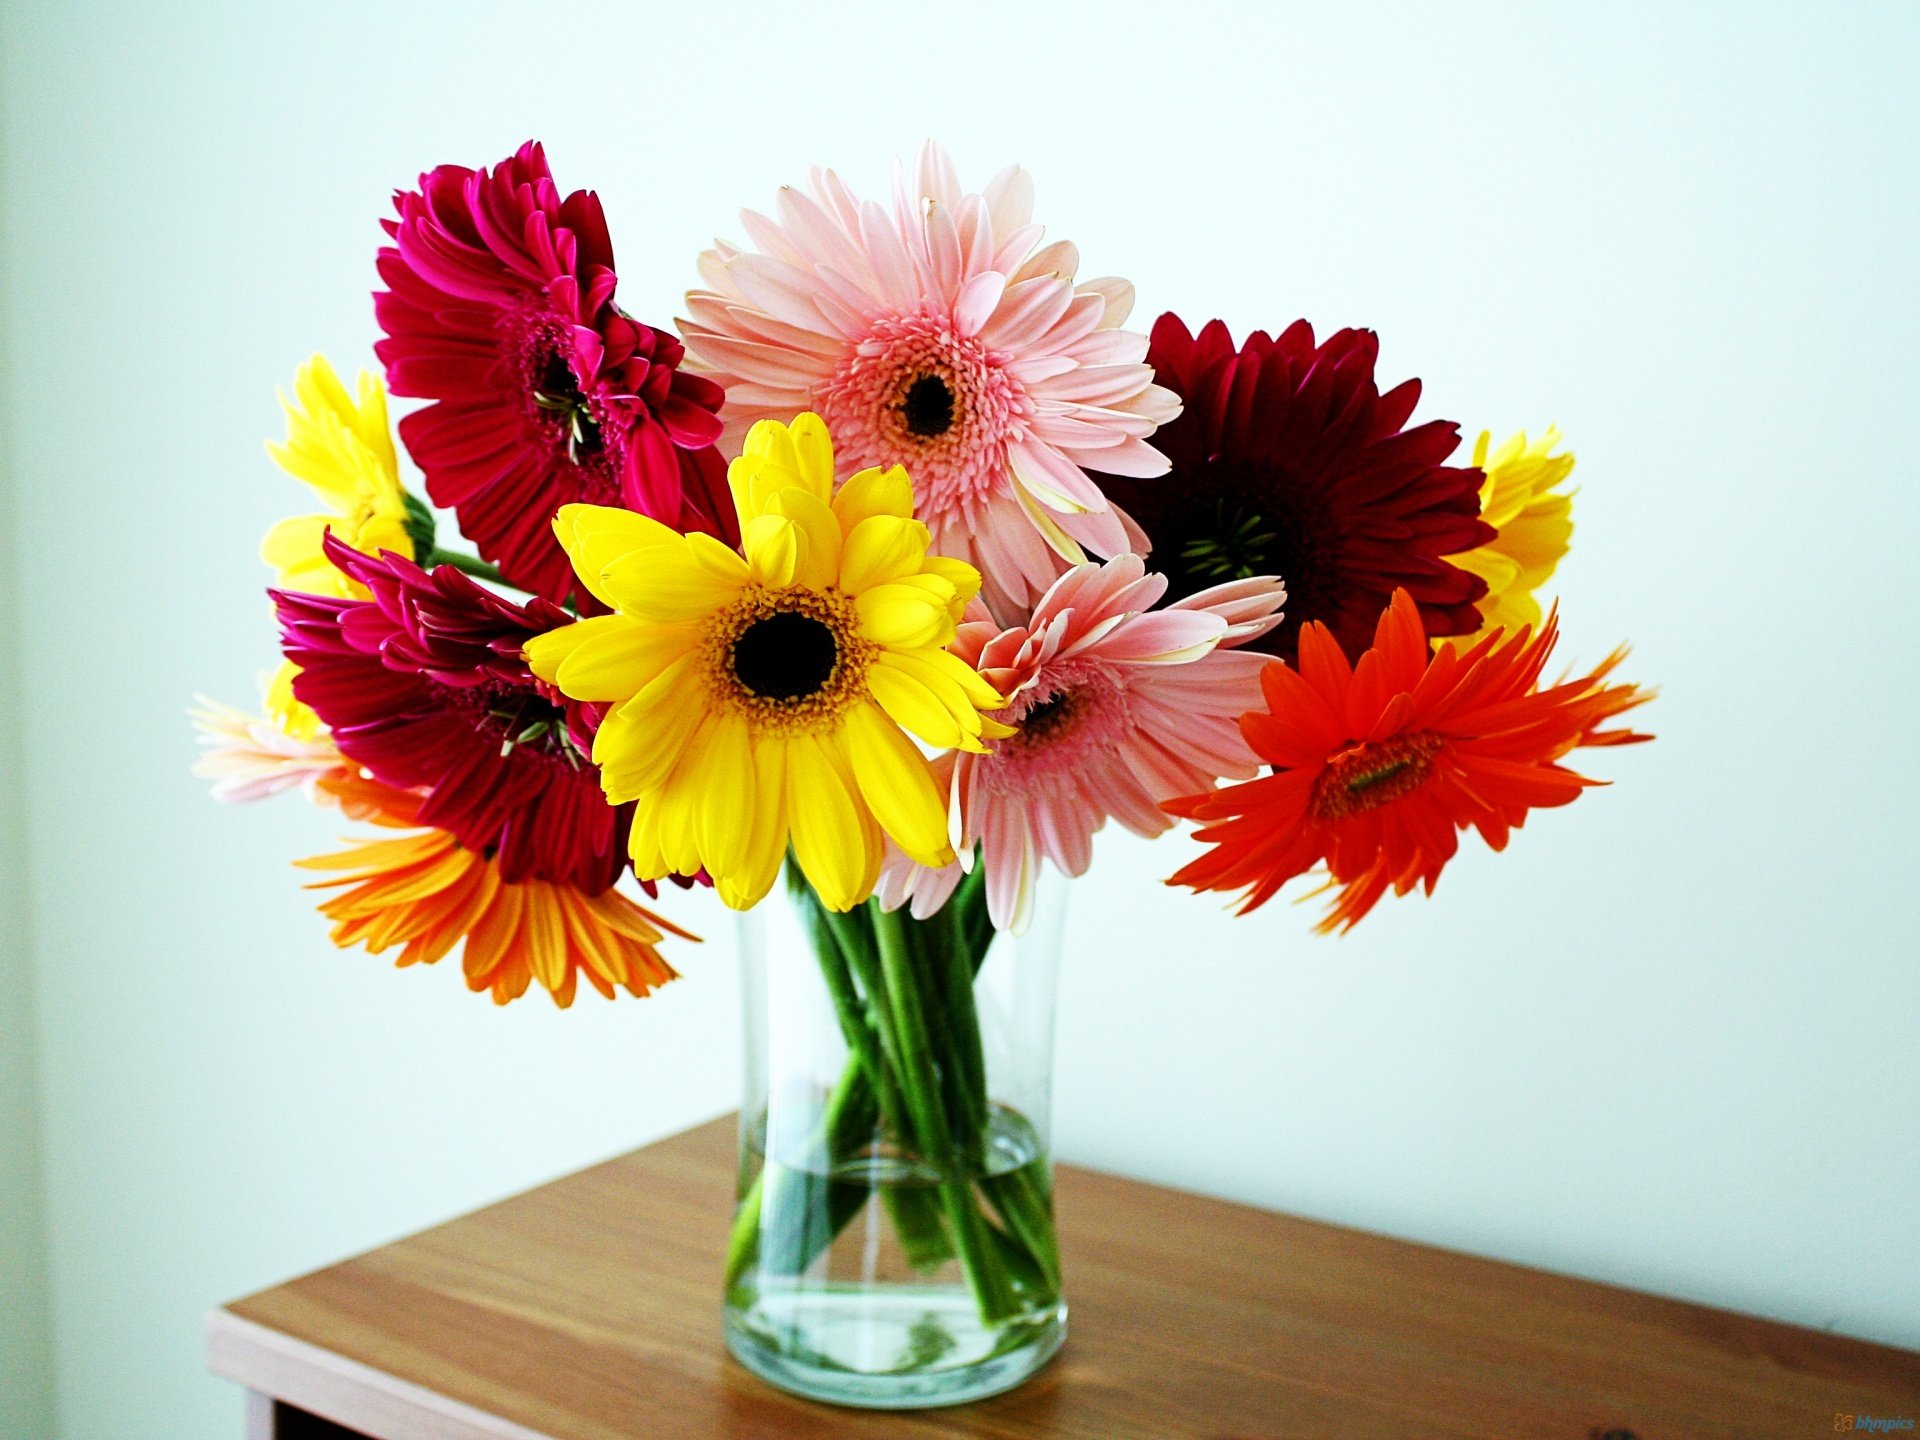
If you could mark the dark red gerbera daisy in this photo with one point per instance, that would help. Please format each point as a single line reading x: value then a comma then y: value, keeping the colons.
x: 424, y: 686
x: 499, y: 309
x: 1288, y: 461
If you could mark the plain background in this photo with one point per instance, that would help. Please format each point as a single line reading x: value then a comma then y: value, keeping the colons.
x: 1666, y: 1040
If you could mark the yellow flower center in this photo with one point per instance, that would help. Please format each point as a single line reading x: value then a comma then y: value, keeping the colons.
x: 791, y: 659
x: 1366, y: 776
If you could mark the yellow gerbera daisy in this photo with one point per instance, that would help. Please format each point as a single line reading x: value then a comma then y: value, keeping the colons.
x: 1520, y: 499
x: 760, y: 697
x: 340, y: 445
x: 291, y: 715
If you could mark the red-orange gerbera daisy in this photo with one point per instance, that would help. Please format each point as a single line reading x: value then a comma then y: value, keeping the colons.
x: 425, y: 892
x: 1378, y: 767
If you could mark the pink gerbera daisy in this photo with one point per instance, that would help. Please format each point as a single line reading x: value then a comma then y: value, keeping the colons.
x: 1120, y: 706
x: 944, y: 337
x: 499, y: 308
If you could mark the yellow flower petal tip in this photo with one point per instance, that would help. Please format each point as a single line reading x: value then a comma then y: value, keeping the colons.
x: 1532, y: 518
x: 341, y: 446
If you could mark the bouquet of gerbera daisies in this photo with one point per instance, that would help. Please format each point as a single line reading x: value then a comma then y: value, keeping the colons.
x: 906, y: 565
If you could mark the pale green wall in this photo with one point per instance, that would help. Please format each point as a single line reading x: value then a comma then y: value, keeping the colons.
x: 26, y: 1348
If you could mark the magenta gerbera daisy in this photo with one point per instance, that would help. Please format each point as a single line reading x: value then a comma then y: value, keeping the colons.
x: 425, y: 686
x: 1288, y: 460
x: 499, y: 309
x: 1119, y: 707
x: 942, y: 336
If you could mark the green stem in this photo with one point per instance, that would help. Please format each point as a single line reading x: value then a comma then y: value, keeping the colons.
x: 838, y: 939
x: 471, y: 564
x: 920, y: 1088
x: 903, y: 995
x: 848, y: 1111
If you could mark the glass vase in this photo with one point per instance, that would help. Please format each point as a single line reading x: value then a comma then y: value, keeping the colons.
x: 893, y: 1243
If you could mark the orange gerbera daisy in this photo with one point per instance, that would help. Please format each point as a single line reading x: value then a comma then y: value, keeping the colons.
x: 1378, y: 767
x: 425, y: 892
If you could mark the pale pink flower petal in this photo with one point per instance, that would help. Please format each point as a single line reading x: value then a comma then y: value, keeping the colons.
x: 942, y: 335
x: 249, y: 758
x: 1120, y: 706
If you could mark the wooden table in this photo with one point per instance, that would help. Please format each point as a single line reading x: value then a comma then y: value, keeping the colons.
x: 588, y: 1309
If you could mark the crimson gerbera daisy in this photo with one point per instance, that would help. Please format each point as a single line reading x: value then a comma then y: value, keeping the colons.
x: 499, y: 308
x: 425, y: 685
x: 1287, y: 460
x: 1378, y: 766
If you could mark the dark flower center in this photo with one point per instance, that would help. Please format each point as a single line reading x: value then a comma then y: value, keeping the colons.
x: 557, y: 392
x: 1256, y: 524
x: 927, y: 407
x: 515, y: 718
x: 1366, y: 776
x: 1234, y: 546
x: 1048, y: 717
x: 787, y: 656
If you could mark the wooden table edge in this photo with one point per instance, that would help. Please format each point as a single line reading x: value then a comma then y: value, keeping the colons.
x: 275, y: 1367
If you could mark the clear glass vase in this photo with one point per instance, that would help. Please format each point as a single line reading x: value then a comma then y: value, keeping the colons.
x: 893, y: 1243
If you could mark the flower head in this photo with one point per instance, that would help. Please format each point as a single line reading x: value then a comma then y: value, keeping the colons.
x: 250, y: 757
x: 426, y: 892
x: 499, y: 309
x: 1522, y: 500
x: 423, y: 683
x: 1287, y: 460
x: 762, y: 695
x: 942, y: 336
x: 341, y: 446
x: 1118, y: 705
x: 1378, y: 766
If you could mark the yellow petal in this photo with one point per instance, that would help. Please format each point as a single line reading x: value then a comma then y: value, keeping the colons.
x: 723, y: 783
x: 882, y: 548
x: 904, y: 617
x: 671, y: 583
x: 954, y: 686
x: 610, y: 657
x: 898, y: 785
x: 748, y: 885
x: 873, y: 492
x: 594, y: 536
x: 818, y: 565
x: 964, y: 579
x: 642, y: 739
x: 829, y: 840
x: 911, y: 702
x: 813, y: 453
x: 771, y: 544
x: 978, y: 692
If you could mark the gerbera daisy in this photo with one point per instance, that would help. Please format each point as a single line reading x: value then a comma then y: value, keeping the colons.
x: 499, y: 309
x: 1119, y: 706
x: 944, y: 337
x: 1287, y: 460
x: 760, y: 695
x: 250, y: 757
x: 1377, y: 767
x: 423, y: 684
x: 341, y: 446
x: 426, y: 892
x: 1522, y: 500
